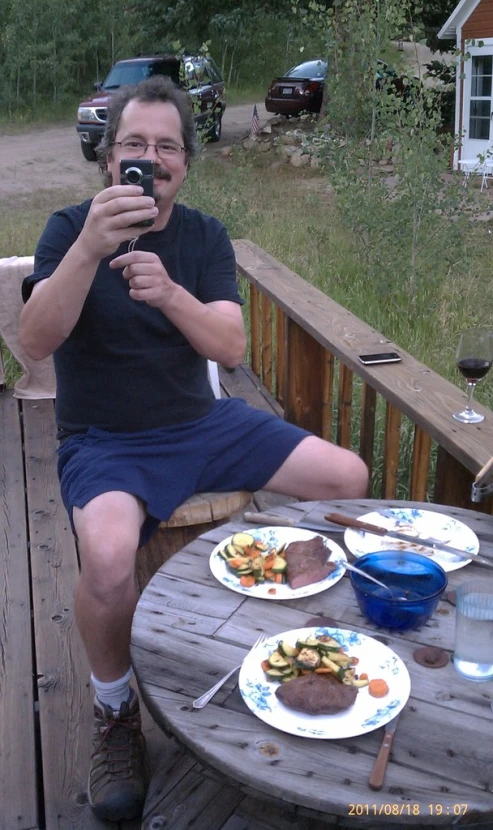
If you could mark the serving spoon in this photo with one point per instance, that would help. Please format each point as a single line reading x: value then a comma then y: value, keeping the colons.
x: 356, y: 570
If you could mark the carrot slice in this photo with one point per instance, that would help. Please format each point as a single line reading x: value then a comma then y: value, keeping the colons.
x: 269, y: 561
x: 278, y: 578
x: 248, y: 581
x: 323, y: 671
x: 237, y: 563
x: 363, y: 676
x: 378, y: 687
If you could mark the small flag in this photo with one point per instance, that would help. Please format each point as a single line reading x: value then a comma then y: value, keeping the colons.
x: 255, y: 122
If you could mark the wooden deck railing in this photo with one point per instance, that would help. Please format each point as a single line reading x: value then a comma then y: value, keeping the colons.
x: 304, y: 349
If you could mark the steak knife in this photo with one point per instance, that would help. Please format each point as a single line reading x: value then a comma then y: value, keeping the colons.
x: 377, y: 776
x: 356, y: 524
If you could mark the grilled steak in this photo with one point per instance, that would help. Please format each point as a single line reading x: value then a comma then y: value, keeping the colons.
x: 317, y: 694
x: 307, y: 562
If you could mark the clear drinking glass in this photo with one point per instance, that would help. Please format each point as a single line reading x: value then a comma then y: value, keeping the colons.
x: 473, y: 358
x: 473, y: 651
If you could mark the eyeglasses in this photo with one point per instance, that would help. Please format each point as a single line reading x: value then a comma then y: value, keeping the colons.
x: 136, y: 148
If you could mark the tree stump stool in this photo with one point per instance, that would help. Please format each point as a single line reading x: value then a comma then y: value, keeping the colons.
x: 195, y: 516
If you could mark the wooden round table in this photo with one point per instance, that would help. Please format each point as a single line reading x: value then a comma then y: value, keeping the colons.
x: 189, y: 630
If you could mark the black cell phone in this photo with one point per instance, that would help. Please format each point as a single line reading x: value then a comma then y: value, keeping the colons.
x: 139, y: 171
x: 380, y: 357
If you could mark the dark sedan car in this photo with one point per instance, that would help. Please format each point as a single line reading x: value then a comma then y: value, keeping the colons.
x: 299, y: 90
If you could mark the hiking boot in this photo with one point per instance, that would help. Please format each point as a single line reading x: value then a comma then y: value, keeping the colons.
x: 119, y: 773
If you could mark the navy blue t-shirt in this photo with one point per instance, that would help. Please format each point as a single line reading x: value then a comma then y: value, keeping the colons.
x: 125, y: 367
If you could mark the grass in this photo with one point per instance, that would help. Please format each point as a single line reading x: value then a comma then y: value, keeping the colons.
x: 290, y: 213
x: 23, y: 217
x: 235, y: 96
x: 44, y: 116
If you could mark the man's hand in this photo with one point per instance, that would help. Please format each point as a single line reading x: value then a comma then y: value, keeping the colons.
x: 215, y: 329
x: 147, y: 277
x: 112, y: 217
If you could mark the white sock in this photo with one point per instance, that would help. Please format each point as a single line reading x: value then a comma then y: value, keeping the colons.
x: 115, y: 693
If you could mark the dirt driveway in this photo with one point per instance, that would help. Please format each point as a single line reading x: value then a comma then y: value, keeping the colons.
x: 51, y: 158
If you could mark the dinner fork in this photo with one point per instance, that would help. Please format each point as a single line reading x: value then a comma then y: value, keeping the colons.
x: 201, y: 701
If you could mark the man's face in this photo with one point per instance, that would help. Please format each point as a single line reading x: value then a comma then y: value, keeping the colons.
x: 152, y: 123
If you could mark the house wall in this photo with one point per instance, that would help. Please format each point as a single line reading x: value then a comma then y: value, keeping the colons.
x: 480, y: 22
x: 479, y: 25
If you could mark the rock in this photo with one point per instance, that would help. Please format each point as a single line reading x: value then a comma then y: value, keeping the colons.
x: 286, y: 151
x: 300, y: 159
x: 290, y: 138
x: 249, y: 143
x: 266, y: 130
x: 277, y: 119
x: 264, y: 146
x: 225, y: 151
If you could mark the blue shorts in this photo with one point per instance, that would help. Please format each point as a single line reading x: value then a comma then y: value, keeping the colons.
x: 234, y: 447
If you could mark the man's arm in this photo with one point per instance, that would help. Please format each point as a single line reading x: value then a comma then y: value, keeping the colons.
x: 56, y: 302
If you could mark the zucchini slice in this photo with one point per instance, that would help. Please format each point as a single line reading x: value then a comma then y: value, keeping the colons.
x: 279, y: 565
x: 243, y: 571
x: 276, y: 674
x: 360, y: 683
x: 243, y: 540
x: 339, y: 671
x: 286, y: 649
x: 328, y: 643
x: 310, y: 642
x: 277, y: 661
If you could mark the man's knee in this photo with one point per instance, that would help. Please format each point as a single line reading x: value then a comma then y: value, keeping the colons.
x: 107, y: 561
x: 353, y: 484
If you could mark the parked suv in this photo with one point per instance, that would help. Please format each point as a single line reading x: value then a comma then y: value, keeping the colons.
x: 199, y: 75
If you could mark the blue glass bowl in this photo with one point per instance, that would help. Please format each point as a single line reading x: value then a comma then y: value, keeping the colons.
x: 416, y: 577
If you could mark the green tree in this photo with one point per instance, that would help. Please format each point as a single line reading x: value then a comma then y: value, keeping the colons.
x: 372, y: 127
x: 433, y: 15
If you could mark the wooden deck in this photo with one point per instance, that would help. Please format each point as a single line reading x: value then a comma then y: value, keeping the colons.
x: 45, y: 696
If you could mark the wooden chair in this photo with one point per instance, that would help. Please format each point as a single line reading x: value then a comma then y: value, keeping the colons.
x: 189, y: 520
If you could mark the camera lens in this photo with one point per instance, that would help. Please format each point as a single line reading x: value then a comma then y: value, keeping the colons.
x: 133, y: 175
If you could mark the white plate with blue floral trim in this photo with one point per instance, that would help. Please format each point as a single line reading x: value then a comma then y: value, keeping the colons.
x: 365, y: 715
x: 415, y: 523
x: 275, y: 537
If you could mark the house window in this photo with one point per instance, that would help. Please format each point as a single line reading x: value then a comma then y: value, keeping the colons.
x: 481, y: 86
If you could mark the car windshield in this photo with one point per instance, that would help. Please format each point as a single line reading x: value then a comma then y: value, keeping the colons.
x: 310, y: 69
x: 132, y: 73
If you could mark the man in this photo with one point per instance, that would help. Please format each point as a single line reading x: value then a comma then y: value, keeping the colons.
x: 131, y: 315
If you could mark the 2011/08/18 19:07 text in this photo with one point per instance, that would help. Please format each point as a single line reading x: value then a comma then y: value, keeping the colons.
x: 407, y: 809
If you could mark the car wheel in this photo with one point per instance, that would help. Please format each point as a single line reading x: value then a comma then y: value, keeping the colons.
x: 88, y: 151
x: 216, y: 129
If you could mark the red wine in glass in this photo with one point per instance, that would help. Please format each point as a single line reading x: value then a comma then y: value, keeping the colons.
x: 474, y: 357
x: 473, y: 368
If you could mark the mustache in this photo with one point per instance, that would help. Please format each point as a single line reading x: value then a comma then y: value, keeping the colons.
x: 162, y: 174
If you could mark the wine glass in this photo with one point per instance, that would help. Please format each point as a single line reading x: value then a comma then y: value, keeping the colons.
x: 473, y: 358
